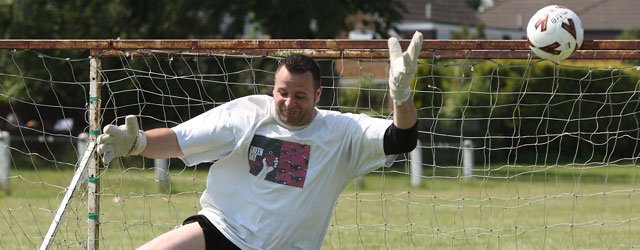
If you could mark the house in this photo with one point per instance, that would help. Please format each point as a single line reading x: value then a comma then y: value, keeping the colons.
x: 601, y: 19
x: 437, y: 19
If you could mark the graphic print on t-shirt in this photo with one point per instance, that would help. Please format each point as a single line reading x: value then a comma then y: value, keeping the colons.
x: 279, y: 161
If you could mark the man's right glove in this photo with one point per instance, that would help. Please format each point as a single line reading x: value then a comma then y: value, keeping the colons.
x: 121, y: 140
x: 402, y: 67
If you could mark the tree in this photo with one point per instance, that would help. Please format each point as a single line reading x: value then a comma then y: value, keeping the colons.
x: 186, y: 19
x: 630, y: 34
x: 474, y: 4
x: 157, y: 19
x: 464, y: 33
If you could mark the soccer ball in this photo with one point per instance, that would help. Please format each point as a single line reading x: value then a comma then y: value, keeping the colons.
x: 554, y: 33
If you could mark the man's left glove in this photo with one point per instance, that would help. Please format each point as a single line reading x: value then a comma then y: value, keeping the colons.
x: 402, y: 67
x: 121, y: 140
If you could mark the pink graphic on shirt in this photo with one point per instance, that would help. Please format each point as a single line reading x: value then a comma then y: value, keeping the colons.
x: 282, y: 162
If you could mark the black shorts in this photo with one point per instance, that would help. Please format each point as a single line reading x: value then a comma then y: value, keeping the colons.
x: 213, y: 238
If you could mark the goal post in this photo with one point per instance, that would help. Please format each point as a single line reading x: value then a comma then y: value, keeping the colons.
x: 82, y: 165
x: 516, y: 152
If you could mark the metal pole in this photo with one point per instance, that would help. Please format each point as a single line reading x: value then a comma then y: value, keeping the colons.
x: 416, y: 166
x: 83, y: 141
x: 93, y: 179
x: 77, y: 176
x: 467, y: 159
x: 82, y: 144
x: 5, y: 161
x: 162, y: 173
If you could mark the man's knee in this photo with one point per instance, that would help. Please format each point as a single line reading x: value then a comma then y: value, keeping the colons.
x: 189, y: 236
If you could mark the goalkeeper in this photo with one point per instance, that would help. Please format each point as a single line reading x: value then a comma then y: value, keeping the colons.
x: 280, y: 163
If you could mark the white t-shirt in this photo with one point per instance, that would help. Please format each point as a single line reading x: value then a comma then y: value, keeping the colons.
x: 274, y: 186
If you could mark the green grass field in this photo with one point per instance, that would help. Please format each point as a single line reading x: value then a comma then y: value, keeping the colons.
x: 510, y: 208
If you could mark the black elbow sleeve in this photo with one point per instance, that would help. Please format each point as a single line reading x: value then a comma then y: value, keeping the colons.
x: 398, y: 141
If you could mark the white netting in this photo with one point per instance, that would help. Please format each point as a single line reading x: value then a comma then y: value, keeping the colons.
x: 555, y: 150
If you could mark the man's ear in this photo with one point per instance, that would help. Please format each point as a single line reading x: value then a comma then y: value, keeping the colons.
x: 318, y: 93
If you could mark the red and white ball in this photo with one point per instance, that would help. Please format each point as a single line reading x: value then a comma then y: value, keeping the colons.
x: 554, y: 33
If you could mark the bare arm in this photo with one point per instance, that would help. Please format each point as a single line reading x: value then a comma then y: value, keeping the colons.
x: 405, y: 115
x: 401, y: 137
x: 162, y: 143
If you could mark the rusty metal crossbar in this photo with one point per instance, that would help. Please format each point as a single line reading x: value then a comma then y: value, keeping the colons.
x: 328, y: 48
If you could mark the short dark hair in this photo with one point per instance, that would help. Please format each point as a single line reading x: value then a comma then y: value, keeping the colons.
x: 299, y: 64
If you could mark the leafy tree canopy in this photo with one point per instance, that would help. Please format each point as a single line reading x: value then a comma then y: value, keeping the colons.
x: 154, y: 19
x: 630, y: 34
x: 131, y: 19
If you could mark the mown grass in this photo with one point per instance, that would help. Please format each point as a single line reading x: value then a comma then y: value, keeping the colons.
x: 508, y: 207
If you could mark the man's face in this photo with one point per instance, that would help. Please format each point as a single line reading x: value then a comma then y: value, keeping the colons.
x: 295, y: 97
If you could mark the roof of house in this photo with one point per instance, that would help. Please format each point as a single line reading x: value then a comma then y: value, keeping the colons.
x: 442, y: 11
x: 617, y: 15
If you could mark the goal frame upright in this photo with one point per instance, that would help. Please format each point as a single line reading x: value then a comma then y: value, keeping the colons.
x: 93, y: 181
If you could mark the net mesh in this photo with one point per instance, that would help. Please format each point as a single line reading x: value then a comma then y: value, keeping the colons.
x: 554, y: 149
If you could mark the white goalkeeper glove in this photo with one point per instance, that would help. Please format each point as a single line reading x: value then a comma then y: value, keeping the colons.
x: 121, y: 140
x: 402, y: 67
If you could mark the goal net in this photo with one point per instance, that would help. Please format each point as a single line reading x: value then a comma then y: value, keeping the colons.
x: 514, y: 151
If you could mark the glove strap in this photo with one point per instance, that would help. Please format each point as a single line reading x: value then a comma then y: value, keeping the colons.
x: 399, y: 104
x: 401, y: 96
x: 139, y: 143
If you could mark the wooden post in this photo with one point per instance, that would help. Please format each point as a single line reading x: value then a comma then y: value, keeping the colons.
x: 93, y: 179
